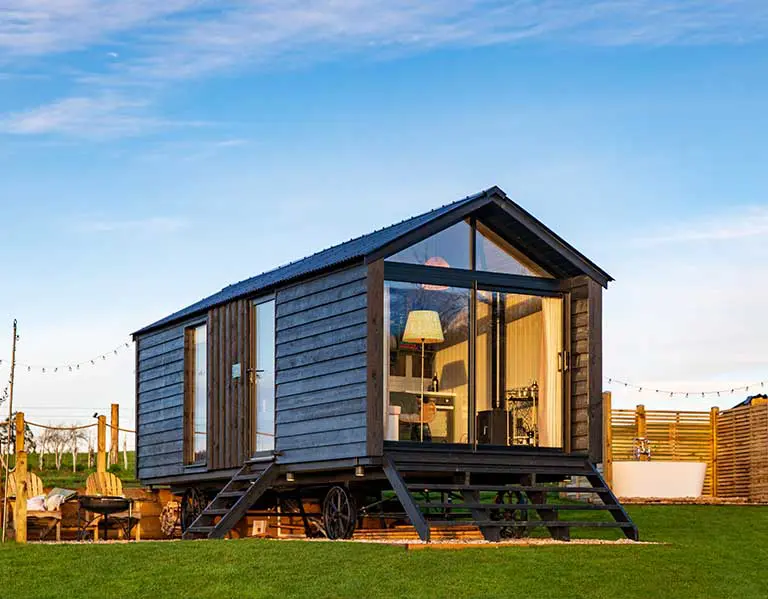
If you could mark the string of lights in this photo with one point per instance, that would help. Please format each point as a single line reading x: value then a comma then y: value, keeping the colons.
x: 72, y: 366
x: 671, y: 393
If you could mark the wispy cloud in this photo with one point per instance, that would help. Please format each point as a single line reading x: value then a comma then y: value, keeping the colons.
x: 156, y: 224
x: 150, y: 43
x: 103, y: 116
x: 215, y: 33
x: 747, y: 223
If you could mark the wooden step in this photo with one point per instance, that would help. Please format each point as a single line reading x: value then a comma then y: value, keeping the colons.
x: 516, y: 506
x: 247, y: 477
x: 199, y: 530
x: 228, y: 494
x: 500, y: 488
x: 532, y: 523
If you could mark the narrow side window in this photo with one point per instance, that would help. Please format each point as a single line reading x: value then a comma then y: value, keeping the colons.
x: 196, y: 395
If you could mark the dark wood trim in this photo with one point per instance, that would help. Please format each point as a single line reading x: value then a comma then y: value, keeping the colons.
x: 406, y: 499
x: 375, y: 359
x: 457, y: 277
x: 553, y: 240
x: 430, y: 228
x: 567, y: 373
x: 595, y: 371
x: 136, y: 372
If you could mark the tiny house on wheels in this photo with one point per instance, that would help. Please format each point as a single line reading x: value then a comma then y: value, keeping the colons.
x: 442, y: 371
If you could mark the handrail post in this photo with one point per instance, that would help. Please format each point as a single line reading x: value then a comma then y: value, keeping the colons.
x: 114, y: 448
x: 714, y: 415
x: 101, y: 443
x: 642, y: 428
x: 20, y: 511
x: 20, y: 430
x: 607, y: 440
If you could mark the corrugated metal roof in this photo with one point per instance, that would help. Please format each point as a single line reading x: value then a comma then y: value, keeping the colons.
x: 354, y: 249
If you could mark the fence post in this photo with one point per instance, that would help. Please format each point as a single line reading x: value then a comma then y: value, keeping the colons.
x: 101, y: 445
x: 642, y: 428
x: 714, y: 415
x: 607, y: 440
x: 20, y: 511
x: 114, y: 447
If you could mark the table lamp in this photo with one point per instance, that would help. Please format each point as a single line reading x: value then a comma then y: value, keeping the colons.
x: 423, y: 326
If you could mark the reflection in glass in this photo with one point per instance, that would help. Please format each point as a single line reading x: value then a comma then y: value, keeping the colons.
x: 265, y: 376
x: 200, y: 395
x: 441, y: 415
x: 448, y: 248
x: 493, y: 254
x: 519, y: 382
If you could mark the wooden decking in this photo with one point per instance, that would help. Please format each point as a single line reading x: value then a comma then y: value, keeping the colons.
x: 500, y: 492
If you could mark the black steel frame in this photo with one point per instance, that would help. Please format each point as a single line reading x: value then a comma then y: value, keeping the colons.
x: 487, y: 281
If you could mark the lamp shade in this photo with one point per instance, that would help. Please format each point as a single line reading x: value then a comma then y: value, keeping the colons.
x: 423, y: 326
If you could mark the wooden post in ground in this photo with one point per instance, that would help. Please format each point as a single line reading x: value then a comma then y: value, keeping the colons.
x: 114, y: 447
x: 101, y: 445
x: 642, y: 428
x: 714, y: 415
x: 607, y: 440
x: 20, y: 507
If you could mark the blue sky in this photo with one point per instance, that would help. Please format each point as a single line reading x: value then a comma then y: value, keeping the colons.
x: 151, y: 153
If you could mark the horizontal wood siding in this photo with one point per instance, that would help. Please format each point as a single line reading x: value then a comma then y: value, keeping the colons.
x: 321, y: 364
x: 160, y: 402
x: 229, y: 402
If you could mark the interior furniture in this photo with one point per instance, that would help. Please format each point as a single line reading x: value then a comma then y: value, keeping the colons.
x: 423, y: 326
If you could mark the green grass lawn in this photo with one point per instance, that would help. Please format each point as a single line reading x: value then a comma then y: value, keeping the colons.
x: 710, y: 551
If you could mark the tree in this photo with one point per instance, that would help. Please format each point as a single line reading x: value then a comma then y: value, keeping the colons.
x: 75, y: 436
x: 54, y: 441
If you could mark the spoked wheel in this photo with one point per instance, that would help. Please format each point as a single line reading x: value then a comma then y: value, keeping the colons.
x: 193, y: 503
x: 519, y: 515
x: 339, y: 514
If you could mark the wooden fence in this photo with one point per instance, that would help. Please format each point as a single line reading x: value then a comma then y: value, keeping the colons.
x: 103, y: 456
x: 742, y: 452
x: 733, y: 443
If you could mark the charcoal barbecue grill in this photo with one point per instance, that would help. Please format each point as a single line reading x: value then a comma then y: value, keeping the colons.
x: 103, y: 507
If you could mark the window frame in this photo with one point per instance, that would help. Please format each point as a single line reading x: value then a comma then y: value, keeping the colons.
x: 190, y: 365
x: 473, y: 279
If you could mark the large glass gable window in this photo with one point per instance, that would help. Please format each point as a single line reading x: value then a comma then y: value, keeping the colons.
x: 493, y: 254
x: 471, y: 357
x: 448, y: 249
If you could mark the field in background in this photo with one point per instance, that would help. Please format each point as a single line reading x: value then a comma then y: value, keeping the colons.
x: 709, y: 551
x: 68, y: 479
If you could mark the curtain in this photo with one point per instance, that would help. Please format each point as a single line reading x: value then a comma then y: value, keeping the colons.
x: 551, y: 381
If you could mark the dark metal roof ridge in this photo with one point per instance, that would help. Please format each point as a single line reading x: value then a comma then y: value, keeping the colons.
x: 557, y: 242
x: 208, y: 302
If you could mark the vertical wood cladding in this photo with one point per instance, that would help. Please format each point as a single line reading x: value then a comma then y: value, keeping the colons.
x: 586, y: 367
x: 321, y: 363
x: 229, y: 399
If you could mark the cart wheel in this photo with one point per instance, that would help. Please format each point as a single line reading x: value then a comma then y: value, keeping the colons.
x: 339, y: 514
x: 193, y: 503
x: 520, y: 515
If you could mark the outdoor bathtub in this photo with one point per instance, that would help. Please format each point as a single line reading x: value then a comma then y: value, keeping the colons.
x: 658, y: 479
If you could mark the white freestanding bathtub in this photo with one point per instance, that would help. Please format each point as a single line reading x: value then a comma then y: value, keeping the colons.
x: 658, y: 479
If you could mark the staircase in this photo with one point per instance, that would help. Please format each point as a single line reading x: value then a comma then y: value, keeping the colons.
x: 503, y: 494
x: 234, y: 500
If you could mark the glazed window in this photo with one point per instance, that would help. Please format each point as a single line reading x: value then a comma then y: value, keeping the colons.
x: 196, y: 395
